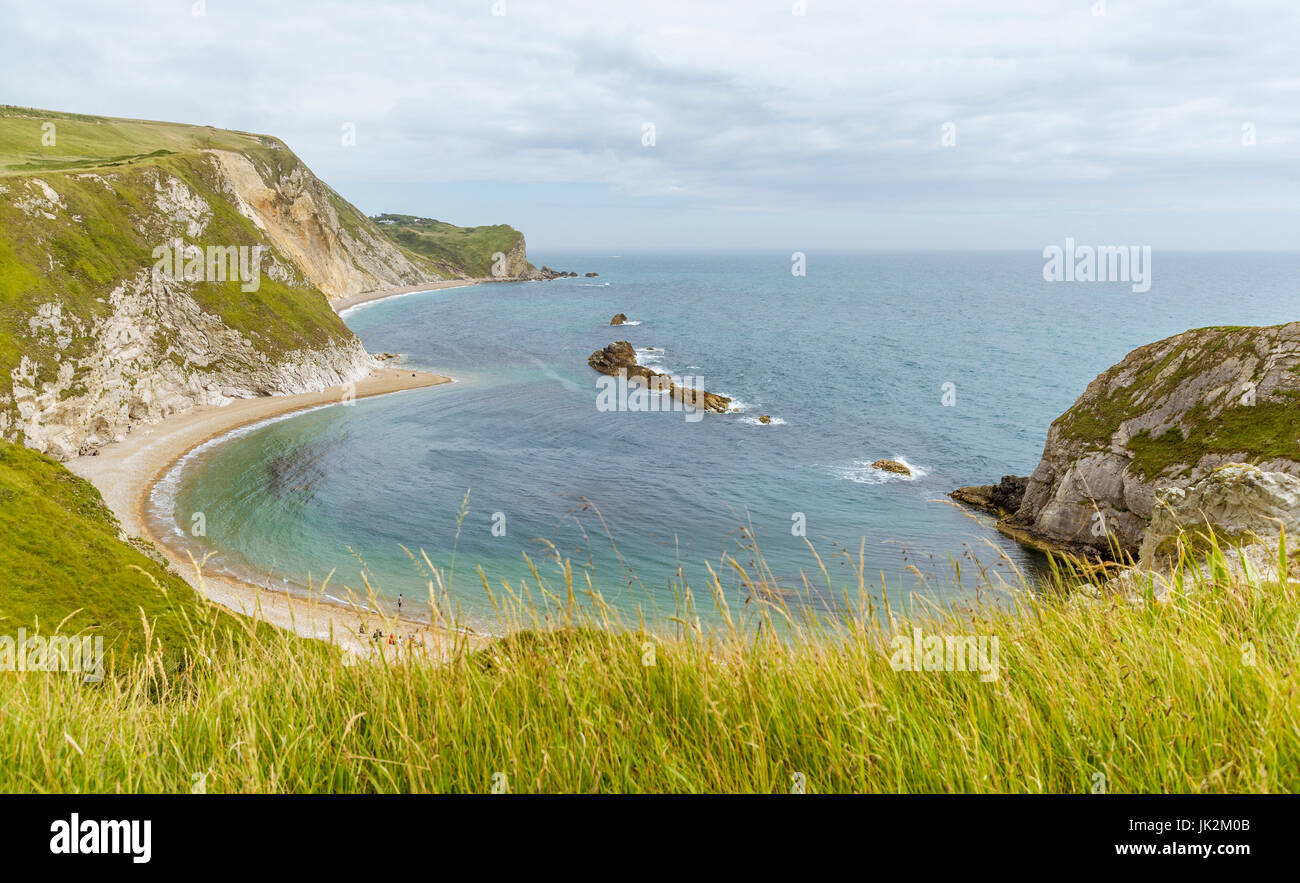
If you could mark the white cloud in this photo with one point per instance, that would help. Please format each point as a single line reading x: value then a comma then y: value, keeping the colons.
x: 752, y: 105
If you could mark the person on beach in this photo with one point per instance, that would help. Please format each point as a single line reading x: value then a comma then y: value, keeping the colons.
x: 399, y: 604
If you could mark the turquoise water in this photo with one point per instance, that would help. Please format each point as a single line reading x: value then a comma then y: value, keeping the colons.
x: 850, y: 361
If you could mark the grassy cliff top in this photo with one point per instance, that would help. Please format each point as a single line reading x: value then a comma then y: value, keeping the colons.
x: 455, y: 251
x: 36, y: 141
x: 1227, y: 390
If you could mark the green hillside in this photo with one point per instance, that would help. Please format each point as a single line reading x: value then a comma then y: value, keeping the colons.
x: 454, y: 251
x: 29, y: 145
x: 63, y: 565
x: 78, y: 256
x: 81, y: 214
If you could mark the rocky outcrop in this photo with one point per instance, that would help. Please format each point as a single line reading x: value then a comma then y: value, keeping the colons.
x: 620, y: 358
x: 546, y: 274
x: 592, y: 275
x: 1238, y: 503
x: 619, y: 319
x: 1000, y: 499
x: 891, y: 466
x: 1165, y: 417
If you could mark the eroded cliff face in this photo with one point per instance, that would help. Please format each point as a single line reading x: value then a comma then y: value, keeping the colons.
x: 1166, y: 416
x: 96, y: 340
x: 338, y: 249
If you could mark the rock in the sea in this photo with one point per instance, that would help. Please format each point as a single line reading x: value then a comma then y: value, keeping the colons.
x: 766, y: 418
x: 700, y: 398
x: 1239, y: 503
x: 891, y: 466
x: 620, y: 356
x: 546, y: 274
x: 592, y: 275
x: 619, y: 319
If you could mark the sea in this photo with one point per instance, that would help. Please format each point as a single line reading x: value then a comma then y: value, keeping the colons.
x: 952, y: 363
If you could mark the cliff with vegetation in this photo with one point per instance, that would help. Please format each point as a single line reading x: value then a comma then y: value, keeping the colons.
x: 497, y: 251
x: 101, y: 330
x: 1165, y: 417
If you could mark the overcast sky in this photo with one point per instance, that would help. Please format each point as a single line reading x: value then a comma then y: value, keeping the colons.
x: 1172, y: 124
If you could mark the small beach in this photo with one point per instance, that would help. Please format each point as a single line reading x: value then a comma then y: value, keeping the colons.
x: 351, y: 302
x: 126, y: 472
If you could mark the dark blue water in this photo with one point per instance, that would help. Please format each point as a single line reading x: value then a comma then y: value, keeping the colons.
x: 850, y: 361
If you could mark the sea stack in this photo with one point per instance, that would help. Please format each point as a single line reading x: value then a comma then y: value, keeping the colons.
x: 620, y: 357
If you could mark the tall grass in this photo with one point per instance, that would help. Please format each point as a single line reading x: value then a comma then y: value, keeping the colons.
x: 1195, y: 693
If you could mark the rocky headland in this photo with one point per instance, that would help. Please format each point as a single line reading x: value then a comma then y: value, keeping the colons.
x: 1202, y: 428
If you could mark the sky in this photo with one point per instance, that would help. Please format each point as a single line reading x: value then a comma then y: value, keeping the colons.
x: 769, y: 123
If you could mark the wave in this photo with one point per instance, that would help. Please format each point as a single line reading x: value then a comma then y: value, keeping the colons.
x: 650, y: 358
x: 863, y: 472
x: 754, y: 421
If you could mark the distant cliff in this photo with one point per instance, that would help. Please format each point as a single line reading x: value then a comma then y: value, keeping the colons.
x: 146, y: 268
x: 498, y: 251
x: 1166, y: 416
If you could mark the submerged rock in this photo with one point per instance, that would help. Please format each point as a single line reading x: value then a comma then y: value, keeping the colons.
x: 891, y: 466
x: 592, y: 275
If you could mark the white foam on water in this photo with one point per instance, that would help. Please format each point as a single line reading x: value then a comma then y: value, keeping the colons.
x: 650, y: 358
x: 754, y: 421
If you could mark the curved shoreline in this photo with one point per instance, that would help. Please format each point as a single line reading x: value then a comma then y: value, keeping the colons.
x: 125, y: 473
x: 351, y: 302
